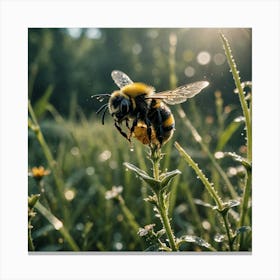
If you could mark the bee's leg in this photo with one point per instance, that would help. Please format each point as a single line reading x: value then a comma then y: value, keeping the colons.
x: 126, y: 123
x: 134, y: 124
x: 149, y: 128
x: 121, y: 132
x: 129, y: 128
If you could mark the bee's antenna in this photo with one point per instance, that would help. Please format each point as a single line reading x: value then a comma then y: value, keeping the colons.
x: 100, y: 97
x: 103, y: 115
x: 103, y: 108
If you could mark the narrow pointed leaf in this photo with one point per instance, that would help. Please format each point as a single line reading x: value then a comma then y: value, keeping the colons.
x: 154, y: 184
x: 243, y: 229
x: 202, y: 203
x: 41, y: 105
x: 240, y: 159
x: 197, y: 240
x: 32, y: 200
x: 227, y: 134
x: 232, y: 203
x: 167, y: 177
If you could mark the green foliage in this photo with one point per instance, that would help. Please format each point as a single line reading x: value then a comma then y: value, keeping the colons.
x: 99, y: 202
x: 41, y: 105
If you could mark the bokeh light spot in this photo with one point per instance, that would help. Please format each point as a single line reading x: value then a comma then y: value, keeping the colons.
x: 75, y: 151
x: 189, y: 71
x: 136, y: 49
x: 219, y: 58
x: 203, y: 58
x: 93, y: 33
x: 69, y: 195
x: 90, y: 170
x: 104, y: 156
x: 74, y: 32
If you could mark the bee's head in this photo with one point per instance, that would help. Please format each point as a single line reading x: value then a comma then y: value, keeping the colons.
x: 119, y: 106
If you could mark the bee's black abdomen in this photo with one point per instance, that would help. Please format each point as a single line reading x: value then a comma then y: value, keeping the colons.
x: 162, y: 120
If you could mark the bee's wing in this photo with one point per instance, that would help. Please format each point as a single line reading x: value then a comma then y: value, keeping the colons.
x: 180, y: 94
x: 120, y: 78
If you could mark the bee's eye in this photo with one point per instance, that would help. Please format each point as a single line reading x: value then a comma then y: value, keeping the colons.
x: 124, y: 106
x: 120, y: 107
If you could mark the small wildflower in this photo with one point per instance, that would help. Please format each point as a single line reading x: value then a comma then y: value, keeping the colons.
x: 39, y: 172
x: 114, y: 192
x: 144, y: 231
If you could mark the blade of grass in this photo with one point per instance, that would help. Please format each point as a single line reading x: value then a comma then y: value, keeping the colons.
x: 202, y: 177
x: 198, y: 139
x: 58, y: 225
x: 211, y: 190
x: 245, y: 109
x: 34, y: 125
x: 247, y: 114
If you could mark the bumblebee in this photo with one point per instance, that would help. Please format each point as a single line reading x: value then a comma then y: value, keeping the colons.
x: 145, y: 112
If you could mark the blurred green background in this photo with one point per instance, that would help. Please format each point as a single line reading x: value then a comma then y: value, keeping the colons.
x: 67, y: 66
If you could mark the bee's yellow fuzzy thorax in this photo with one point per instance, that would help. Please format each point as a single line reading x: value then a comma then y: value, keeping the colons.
x: 136, y: 89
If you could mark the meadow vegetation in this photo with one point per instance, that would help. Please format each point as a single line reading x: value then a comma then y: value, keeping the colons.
x: 90, y: 190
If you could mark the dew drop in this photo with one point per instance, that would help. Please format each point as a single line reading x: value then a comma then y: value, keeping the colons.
x: 219, y: 237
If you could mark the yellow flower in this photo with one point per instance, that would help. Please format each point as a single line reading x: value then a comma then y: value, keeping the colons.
x: 39, y: 172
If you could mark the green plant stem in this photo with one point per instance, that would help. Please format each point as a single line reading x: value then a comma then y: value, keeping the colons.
x: 51, y: 162
x: 58, y: 225
x: 162, y: 207
x: 32, y: 200
x: 229, y: 235
x: 202, y: 177
x: 198, y: 139
x: 239, y: 87
x: 129, y: 216
x: 130, y: 219
x: 248, y: 123
x: 244, y: 206
x: 211, y: 190
x: 144, y: 190
x: 30, y: 241
x: 165, y: 220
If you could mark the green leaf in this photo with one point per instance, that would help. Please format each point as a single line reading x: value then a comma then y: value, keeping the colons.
x: 40, y: 106
x: 227, y: 133
x: 243, y: 229
x: 227, y: 205
x: 165, y: 178
x: 195, y: 239
x: 240, y: 159
x: 32, y: 200
x: 154, y: 184
x: 202, y: 203
x: 134, y: 168
x: 232, y: 203
x: 151, y: 199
